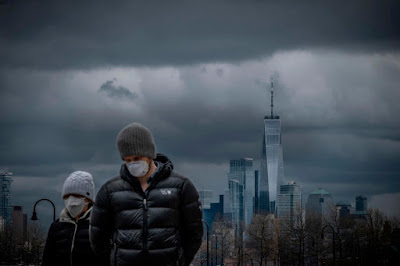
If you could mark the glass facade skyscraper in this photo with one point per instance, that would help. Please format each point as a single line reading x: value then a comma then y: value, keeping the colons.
x: 205, y: 197
x: 241, y: 191
x: 5, y: 198
x: 320, y: 204
x: 361, y: 205
x: 289, y: 203
x: 271, y: 162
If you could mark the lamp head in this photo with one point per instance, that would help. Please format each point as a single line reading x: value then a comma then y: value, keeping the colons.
x: 34, y: 216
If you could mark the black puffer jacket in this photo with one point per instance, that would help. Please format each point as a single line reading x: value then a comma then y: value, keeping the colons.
x: 68, y: 237
x: 160, y: 227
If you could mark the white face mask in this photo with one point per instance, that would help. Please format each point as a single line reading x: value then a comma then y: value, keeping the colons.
x: 138, y: 169
x: 75, y: 205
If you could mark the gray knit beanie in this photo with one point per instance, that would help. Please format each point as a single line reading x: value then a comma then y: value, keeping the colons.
x: 136, y: 139
x: 80, y: 183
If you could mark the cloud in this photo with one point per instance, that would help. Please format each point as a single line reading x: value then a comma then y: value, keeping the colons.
x: 65, y: 34
x: 388, y: 203
x: 116, y: 92
x: 219, y: 72
x: 338, y: 127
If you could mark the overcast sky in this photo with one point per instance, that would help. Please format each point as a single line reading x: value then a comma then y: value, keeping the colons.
x: 196, y: 73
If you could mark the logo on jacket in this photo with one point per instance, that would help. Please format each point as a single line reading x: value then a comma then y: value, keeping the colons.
x: 165, y: 191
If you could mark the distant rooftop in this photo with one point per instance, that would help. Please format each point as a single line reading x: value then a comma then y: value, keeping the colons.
x: 320, y: 191
x: 343, y: 203
x: 271, y: 117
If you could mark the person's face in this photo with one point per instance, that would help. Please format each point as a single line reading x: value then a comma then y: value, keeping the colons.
x: 76, y: 196
x: 135, y: 158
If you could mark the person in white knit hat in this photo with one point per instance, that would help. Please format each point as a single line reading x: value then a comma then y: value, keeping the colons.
x: 68, y: 238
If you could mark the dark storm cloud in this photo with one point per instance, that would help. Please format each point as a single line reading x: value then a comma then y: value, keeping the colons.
x: 62, y: 34
x: 119, y: 92
x: 339, y: 131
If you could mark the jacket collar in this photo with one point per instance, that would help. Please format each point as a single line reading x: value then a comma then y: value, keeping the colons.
x: 165, y: 167
x: 65, y: 217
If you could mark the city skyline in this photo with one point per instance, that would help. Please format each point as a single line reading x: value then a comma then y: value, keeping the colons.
x: 196, y: 75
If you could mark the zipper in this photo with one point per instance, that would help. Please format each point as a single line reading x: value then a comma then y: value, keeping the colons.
x: 73, y: 242
x: 145, y: 225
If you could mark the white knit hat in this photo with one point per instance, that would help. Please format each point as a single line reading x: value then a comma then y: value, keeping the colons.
x: 80, y: 183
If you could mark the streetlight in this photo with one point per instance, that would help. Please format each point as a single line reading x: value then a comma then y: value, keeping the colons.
x: 216, y: 249
x: 34, y: 216
x: 313, y: 243
x: 333, y: 241
x: 208, y: 255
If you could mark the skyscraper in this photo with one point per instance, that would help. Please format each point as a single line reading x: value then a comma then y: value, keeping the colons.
x: 256, y: 197
x: 5, y: 197
x: 343, y: 208
x: 19, y: 225
x: 289, y: 203
x: 205, y: 197
x: 215, y: 211
x: 272, y: 160
x: 361, y: 205
x: 241, y: 190
x: 320, y: 204
x: 236, y: 193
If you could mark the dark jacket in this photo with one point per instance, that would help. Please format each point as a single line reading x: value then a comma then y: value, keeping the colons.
x: 68, y: 242
x: 161, y: 226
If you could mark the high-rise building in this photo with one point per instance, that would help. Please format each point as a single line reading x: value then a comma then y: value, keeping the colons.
x: 236, y: 194
x: 205, y: 197
x: 256, y: 197
x: 271, y: 161
x: 289, y: 203
x: 343, y: 208
x: 227, y: 204
x: 215, y: 212
x: 361, y: 205
x: 241, y: 191
x: 5, y: 197
x: 320, y: 204
x: 19, y: 225
x: 25, y: 225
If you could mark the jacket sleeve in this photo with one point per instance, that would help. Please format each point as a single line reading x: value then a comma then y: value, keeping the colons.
x: 49, y: 249
x: 192, y: 225
x: 100, y: 229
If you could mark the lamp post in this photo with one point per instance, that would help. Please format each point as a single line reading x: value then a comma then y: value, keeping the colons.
x: 208, y: 254
x: 333, y: 241
x: 34, y: 216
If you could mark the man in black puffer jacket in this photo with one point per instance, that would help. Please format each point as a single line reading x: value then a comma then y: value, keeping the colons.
x: 148, y: 215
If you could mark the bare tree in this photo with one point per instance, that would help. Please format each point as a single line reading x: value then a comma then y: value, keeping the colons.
x: 224, y: 235
x: 261, y: 243
x: 300, y: 242
x: 36, y: 240
x: 8, y: 246
x: 377, y: 235
x: 201, y: 256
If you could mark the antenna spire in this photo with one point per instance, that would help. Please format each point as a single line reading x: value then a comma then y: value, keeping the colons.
x: 272, y: 97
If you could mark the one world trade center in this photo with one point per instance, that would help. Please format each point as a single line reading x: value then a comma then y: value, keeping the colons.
x: 271, y: 172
